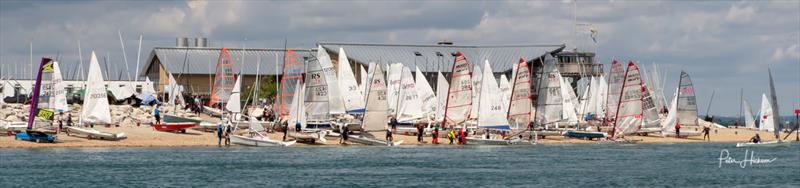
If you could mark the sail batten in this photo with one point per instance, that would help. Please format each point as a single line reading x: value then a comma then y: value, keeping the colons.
x: 459, y: 96
x: 687, y: 103
x: 519, y: 105
x: 223, y: 79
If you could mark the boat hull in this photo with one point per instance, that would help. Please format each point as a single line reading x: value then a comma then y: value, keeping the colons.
x: 499, y: 142
x: 174, y: 126
x: 35, y: 136
x: 176, y: 119
x: 95, y: 134
x: 372, y: 141
x: 308, y: 137
x: 763, y: 144
x: 683, y: 133
x: 584, y: 134
x: 258, y: 141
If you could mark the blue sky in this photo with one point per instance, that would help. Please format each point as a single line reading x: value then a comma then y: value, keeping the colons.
x: 723, y: 45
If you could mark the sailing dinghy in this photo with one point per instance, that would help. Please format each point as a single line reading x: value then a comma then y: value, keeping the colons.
x: 40, y: 128
x: 685, y: 109
x: 376, y: 111
x: 491, y: 113
x: 95, y: 106
x: 770, y: 119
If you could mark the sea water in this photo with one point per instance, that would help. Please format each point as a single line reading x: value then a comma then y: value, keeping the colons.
x: 586, y: 165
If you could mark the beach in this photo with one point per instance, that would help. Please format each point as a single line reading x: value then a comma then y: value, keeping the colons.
x: 146, y: 136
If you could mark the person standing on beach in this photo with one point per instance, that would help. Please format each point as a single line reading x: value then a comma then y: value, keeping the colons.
x: 345, y: 133
x: 420, y: 132
x: 389, y: 135
x: 393, y: 123
x: 60, y: 120
x: 677, y: 130
x: 435, y: 134
x: 285, y: 129
x: 157, y: 114
x: 228, y: 135
x: 69, y: 119
x: 706, y: 131
x: 219, y: 134
x: 460, y: 136
x: 451, y: 135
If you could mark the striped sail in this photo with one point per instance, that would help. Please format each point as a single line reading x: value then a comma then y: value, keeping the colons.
x: 317, y: 92
x: 519, y: 106
x: 377, y: 106
x: 629, y: 114
x: 223, y: 79
x: 615, y: 80
x: 395, y: 76
x: 687, y: 104
x: 40, y: 108
x: 292, y: 72
x: 459, y: 96
x: 549, y: 108
x: 298, y: 113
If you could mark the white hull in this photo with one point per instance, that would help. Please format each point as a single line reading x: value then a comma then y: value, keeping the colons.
x: 372, y: 141
x: 212, y: 111
x: 258, y: 141
x: 309, y: 137
x: 350, y: 126
x: 649, y: 130
x: 95, y: 134
x: 13, y: 126
x: 763, y: 144
x: 548, y: 133
x: 483, y: 141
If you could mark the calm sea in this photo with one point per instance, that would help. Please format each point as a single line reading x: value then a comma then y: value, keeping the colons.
x: 671, y: 165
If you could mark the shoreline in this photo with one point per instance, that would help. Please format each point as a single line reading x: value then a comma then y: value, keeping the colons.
x: 147, y: 137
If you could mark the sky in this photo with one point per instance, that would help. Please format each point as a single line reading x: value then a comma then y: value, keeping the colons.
x: 724, y: 45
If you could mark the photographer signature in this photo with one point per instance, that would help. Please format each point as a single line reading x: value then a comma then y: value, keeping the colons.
x: 750, y: 158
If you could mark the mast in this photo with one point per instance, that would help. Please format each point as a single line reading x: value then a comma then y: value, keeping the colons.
x: 538, y: 86
x: 138, y: 55
x: 741, y: 107
x: 708, y: 108
x: 616, y: 115
x: 124, y: 56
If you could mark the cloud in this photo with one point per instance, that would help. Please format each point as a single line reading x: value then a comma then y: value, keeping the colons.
x: 789, y: 53
x: 740, y: 13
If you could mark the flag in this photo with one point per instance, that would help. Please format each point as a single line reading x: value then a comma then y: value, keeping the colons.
x: 593, y: 34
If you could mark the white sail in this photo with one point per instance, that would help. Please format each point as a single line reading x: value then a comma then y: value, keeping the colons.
x: 441, y: 94
x: 491, y: 114
x: 410, y: 104
x: 505, y: 89
x: 776, y: 116
x: 476, y: 90
x: 602, y: 97
x: 650, y: 113
x: 668, y: 124
x: 95, y: 107
x: 459, y: 96
x: 175, y: 92
x: 394, y: 72
x: 519, y: 107
x: 629, y: 116
x: 317, y: 93
x: 749, y: 122
x: 570, y: 104
x: 377, y: 106
x: 687, y: 104
x: 362, y: 86
x: 59, y: 99
x: 335, y: 102
x: 233, y: 104
x: 425, y: 92
x: 148, y: 87
x: 766, y: 121
x: 549, y: 107
x: 592, y: 97
x: 8, y: 89
x: 351, y: 94
x: 657, y: 89
x: 298, y: 113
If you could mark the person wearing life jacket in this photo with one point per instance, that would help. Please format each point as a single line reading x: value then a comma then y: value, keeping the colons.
x: 677, y: 130
x: 451, y: 135
x: 460, y: 136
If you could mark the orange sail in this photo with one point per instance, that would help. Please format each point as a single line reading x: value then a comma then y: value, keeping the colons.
x: 292, y: 71
x: 223, y: 79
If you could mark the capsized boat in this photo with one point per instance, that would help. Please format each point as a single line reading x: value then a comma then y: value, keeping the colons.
x: 584, y: 134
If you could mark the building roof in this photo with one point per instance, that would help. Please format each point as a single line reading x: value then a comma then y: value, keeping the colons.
x: 430, y: 58
x: 204, y: 60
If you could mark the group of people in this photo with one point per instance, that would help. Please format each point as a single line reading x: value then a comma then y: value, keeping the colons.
x: 223, y: 133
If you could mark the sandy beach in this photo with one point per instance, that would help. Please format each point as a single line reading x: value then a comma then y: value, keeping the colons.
x: 146, y: 136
